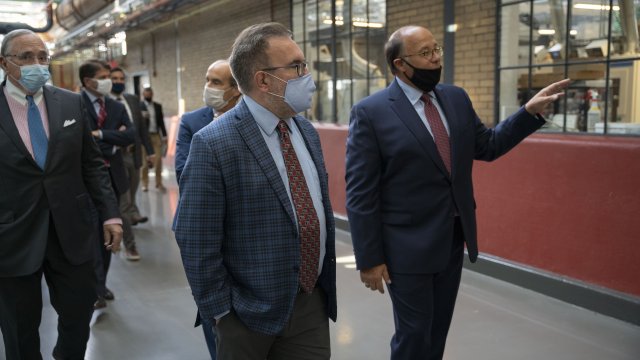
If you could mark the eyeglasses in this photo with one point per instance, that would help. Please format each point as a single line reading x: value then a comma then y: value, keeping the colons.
x: 31, y: 58
x: 301, y: 68
x: 428, y: 53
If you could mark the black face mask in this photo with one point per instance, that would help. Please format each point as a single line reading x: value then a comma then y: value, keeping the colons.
x: 117, y: 88
x: 425, y: 79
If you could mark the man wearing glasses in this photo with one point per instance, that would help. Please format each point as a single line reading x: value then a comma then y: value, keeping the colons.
x: 52, y: 175
x: 254, y: 223
x: 410, y: 151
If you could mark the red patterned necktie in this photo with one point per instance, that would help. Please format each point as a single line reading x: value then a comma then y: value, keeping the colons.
x: 440, y: 135
x: 308, y: 224
x: 102, y: 115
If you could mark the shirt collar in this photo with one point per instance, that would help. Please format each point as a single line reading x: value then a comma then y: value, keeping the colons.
x: 92, y: 97
x: 19, y: 94
x: 412, y: 93
x: 266, y: 120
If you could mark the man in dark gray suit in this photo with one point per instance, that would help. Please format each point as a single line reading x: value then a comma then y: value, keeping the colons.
x: 52, y: 177
x: 254, y: 222
x: 132, y: 158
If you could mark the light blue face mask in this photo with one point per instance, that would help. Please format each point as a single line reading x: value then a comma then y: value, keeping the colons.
x: 33, y: 77
x: 298, y: 93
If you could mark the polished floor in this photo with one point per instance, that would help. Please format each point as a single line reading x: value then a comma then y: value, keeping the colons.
x: 153, y: 313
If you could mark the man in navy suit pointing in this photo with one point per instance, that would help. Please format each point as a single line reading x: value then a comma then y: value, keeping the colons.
x: 410, y: 203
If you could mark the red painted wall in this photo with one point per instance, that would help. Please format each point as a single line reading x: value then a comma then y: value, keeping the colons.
x: 565, y: 204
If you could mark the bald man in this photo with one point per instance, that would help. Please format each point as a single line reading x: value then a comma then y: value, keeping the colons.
x: 220, y: 94
x: 410, y: 203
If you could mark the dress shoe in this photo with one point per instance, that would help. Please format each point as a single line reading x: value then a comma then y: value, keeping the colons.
x: 108, y: 295
x: 139, y: 220
x: 161, y: 188
x: 101, y: 303
x: 132, y: 254
x: 145, y: 188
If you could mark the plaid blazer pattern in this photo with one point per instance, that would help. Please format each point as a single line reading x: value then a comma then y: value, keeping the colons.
x: 235, y: 225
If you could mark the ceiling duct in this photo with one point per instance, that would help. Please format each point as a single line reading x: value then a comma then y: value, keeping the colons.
x: 71, y: 13
x: 8, y: 27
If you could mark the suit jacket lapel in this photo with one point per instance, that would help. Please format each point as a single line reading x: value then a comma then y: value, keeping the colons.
x: 313, y: 150
x: 8, y: 125
x: 252, y: 137
x: 93, y: 121
x: 407, y: 114
x: 207, y: 116
x: 54, y: 108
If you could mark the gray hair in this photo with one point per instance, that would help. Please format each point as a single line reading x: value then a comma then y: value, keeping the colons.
x: 248, y: 53
x: 8, y: 39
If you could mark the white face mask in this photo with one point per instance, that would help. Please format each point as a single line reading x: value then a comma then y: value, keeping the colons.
x: 104, y: 86
x: 214, y: 98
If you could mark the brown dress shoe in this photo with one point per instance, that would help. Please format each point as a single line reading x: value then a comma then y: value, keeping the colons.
x: 101, y: 303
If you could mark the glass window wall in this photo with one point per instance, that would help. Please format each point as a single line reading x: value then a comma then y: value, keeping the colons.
x: 595, y: 43
x: 343, y: 42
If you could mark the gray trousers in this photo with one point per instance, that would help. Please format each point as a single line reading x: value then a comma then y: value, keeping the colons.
x: 128, y: 207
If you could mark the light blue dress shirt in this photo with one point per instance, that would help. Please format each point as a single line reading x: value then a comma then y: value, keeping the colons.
x: 268, y: 122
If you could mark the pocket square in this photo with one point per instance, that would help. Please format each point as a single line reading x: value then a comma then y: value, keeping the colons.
x: 69, y: 122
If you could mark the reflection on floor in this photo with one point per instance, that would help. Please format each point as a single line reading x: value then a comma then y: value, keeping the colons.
x: 153, y: 313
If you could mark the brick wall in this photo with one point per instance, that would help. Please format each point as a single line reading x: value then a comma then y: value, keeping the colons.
x: 204, y: 36
x: 475, y: 54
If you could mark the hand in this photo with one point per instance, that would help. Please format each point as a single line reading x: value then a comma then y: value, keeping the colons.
x: 545, y: 96
x: 372, y: 278
x: 112, y: 237
x: 95, y: 133
x: 122, y: 128
x: 150, y: 160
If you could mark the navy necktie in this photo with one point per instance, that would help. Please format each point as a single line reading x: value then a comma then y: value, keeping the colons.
x: 39, y: 141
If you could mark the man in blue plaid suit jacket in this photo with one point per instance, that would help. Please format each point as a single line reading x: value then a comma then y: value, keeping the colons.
x: 236, y: 223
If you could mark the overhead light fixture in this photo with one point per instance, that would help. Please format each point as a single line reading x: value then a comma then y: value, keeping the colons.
x: 452, y: 28
x: 573, y: 32
x: 595, y: 7
x: 546, y: 31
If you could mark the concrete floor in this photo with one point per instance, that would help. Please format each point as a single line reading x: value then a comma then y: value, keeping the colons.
x: 153, y: 313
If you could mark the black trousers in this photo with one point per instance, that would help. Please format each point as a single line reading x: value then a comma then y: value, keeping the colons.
x: 423, y: 306
x: 101, y: 264
x: 72, y: 293
x: 102, y: 259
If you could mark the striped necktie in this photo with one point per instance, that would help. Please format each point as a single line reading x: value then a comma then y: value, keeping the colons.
x: 102, y: 114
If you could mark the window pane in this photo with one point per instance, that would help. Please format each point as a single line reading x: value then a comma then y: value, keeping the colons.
x: 549, y: 24
x: 514, y: 85
x: 348, y: 66
x: 514, y: 34
x: 297, y: 14
x: 624, y: 114
x: 624, y: 28
x: 589, y: 30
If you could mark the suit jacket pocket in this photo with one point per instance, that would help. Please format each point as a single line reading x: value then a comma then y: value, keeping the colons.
x: 397, y: 218
x: 6, y: 217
